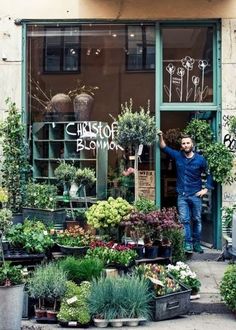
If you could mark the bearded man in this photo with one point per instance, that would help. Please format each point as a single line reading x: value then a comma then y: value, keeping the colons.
x: 189, y: 186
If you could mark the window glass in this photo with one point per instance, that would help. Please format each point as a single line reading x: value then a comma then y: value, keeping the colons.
x: 96, y: 83
x: 187, y: 64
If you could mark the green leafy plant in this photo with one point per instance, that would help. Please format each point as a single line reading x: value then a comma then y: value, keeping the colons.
x: 15, y: 166
x: 82, y: 269
x: 10, y: 275
x: 47, y: 282
x: 232, y: 125
x: 227, y: 215
x: 108, y: 213
x: 228, y: 287
x: 3, y: 196
x: 135, y: 128
x: 85, y: 176
x: 5, y: 220
x: 200, y: 131
x: 113, y: 254
x: 182, y: 273
x: 145, y: 205
x: 74, y: 305
x: 32, y: 236
x: 65, y: 172
x: 41, y: 196
x: 176, y: 237
x: 220, y: 162
x: 107, y: 298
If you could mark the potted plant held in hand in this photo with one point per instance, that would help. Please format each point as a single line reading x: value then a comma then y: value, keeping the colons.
x: 40, y: 203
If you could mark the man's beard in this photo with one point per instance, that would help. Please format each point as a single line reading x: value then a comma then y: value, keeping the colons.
x: 187, y: 152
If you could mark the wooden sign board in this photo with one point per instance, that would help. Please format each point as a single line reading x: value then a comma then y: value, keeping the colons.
x: 146, y: 184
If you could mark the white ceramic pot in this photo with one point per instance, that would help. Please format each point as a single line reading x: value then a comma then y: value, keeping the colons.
x: 100, y: 323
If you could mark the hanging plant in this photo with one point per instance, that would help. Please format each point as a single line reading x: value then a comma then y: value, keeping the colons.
x: 220, y: 162
x: 201, y: 133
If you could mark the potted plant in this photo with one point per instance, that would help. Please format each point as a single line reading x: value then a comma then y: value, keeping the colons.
x: 5, y: 225
x: 74, y: 309
x: 84, y: 178
x: 135, y: 129
x: 112, y: 254
x: 40, y: 203
x: 79, y: 270
x: 105, y: 214
x: 15, y: 166
x: 166, y: 290
x: 65, y: 173
x: 218, y: 156
x: 47, y: 284
x: 32, y: 237
x: 11, y: 296
x: 106, y: 301
x: 74, y: 240
x: 228, y: 287
x: 182, y: 273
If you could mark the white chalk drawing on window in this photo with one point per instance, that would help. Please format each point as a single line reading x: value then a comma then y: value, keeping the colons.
x: 198, y: 89
x: 171, y: 70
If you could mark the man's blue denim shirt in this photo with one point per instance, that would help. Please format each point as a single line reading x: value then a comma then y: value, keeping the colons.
x: 189, y: 170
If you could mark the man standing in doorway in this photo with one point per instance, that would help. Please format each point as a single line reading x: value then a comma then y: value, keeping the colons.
x: 189, y: 167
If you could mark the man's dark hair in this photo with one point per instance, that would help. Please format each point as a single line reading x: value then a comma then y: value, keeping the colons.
x: 186, y: 136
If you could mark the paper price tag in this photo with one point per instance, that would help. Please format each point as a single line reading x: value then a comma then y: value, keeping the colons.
x: 71, y: 300
x: 72, y: 323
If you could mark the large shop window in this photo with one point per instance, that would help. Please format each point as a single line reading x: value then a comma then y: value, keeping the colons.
x: 187, y: 64
x: 96, y: 83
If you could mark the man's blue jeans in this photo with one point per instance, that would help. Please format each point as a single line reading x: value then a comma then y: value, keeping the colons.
x: 190, y: 208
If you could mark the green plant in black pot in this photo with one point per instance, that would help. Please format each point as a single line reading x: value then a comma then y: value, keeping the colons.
x: 15, y: 166
x: 228, y: 287
x: 31, y: 236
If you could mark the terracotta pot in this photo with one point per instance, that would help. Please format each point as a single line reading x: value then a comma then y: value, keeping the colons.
x: 83, y: 104
x: 51, y: 315
x: 40, y: 313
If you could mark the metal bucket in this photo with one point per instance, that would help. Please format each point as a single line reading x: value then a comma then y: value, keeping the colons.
x: 11, y: 307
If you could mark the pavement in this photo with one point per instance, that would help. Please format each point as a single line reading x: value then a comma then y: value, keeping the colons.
x: 208, y: 312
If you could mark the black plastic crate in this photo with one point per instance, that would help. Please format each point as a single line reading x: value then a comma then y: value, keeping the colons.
x: 171, y: 305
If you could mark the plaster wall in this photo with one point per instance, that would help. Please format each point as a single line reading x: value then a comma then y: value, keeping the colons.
x: 228, y: 96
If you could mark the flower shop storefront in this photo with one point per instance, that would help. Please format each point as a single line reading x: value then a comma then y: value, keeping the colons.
x: 79, y: 74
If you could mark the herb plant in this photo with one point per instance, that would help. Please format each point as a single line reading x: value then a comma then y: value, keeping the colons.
x: 65, y: 172
x: 145, y: 205
x: 135, y: 128
x: 77, y: 310
x: 85, y: 176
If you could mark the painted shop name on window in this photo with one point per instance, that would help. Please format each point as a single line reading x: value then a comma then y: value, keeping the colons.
x: 93, y: 135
